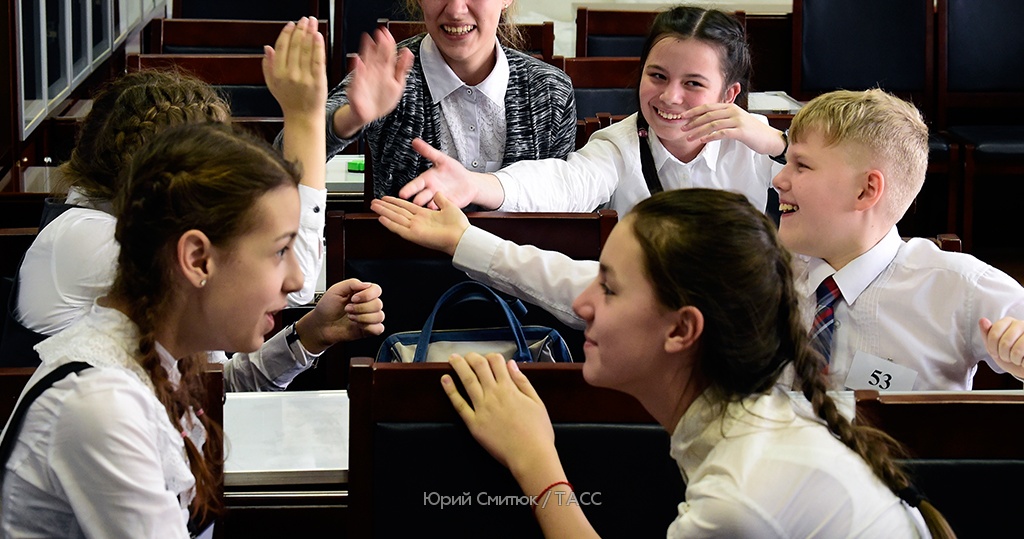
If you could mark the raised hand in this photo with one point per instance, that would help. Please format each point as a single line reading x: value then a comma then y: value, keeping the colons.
x: 295, y: 68
x: 378, y: 79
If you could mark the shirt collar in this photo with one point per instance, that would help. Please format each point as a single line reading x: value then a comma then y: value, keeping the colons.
x: 79, y: 198
x: 442, y: 81
x: 856, y: 276
x: 169, y: 363
x: 706, y: 423
x: 661, y: 154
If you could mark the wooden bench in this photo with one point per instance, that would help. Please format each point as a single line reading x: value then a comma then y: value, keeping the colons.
x: 239, y: 78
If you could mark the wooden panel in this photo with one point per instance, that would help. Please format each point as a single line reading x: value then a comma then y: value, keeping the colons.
x: 770, y: 52
x: 949, y: 425
x: 603, y: 72
x: 213, y: 68
x: 166, y: 35
x: 360, y: 235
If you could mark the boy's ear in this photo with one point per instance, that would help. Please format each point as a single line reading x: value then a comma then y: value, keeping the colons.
x: 688, y: 327
x: 871, y: 190
x: 194, y: 254
x: 731, y: 92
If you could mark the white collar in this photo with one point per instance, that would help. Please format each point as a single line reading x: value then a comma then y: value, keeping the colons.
x: 441, y: 80
x: 856, y: 276
x: 709, y: 153
x: 706, y: 423
x: 79, y: 198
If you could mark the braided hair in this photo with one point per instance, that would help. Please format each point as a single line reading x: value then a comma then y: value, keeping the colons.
x: 125, y: 115
x: 189, y: 177
x: 740, y: 278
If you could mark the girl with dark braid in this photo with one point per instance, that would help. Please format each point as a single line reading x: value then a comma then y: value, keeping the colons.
x: 73, y: 260
x: 207, y: 225
x: 698, y: 327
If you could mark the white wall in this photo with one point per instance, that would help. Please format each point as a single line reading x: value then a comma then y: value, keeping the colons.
x: 563, y: 13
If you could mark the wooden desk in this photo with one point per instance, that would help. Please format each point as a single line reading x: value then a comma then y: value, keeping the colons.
x: 287, y: 463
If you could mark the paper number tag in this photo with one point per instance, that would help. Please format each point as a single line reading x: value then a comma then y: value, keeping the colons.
x: 873, y: 372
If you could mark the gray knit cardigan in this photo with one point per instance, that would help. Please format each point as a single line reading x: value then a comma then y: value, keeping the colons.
x: 540, y: 120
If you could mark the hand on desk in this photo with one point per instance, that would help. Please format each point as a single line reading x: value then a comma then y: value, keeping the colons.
x: 717, y: 121
x: 1004, y: 341
x: 504, y: 414
x: 462, y: 187
x: 349, y: 310
x: 439, y: 230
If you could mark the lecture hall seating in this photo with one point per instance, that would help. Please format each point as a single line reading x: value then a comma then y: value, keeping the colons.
x: 407, y: 443
x: 964, y: 452
x: 980, y: 94
x: 604, y: 84
x: 413, y: 277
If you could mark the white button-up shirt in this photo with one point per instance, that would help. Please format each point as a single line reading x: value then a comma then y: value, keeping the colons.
x: 607, y: 171
x: 472, y: 117
x: 914, y: 304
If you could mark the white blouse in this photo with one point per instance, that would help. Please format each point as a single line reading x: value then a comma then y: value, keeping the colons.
x: 97, y: 455
x: 765, y: 467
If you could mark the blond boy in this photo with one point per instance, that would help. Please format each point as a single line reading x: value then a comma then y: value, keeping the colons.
x: 909, y: 316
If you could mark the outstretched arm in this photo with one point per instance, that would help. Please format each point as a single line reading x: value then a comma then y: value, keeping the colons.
x: 1004, y: 340
x: 507, y: 417
x: 295, y: 71
x: 546, y: 278
x: 349, y: 310
x: 439, y: 230
x: 461, y: 186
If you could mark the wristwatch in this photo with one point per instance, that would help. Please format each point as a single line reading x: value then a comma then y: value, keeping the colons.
x: 292, y: 334
x: 781, y: 158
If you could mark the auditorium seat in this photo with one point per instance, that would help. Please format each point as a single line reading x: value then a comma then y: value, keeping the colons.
x: 604, y: 84
x: 407, y: 448
x: 413, y: 277
x: 981, y: 102
x: 964, y: 452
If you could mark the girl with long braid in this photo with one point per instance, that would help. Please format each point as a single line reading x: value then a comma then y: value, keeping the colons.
x: 73, y: 260
x: 207, y: 225
x: 698, y: 327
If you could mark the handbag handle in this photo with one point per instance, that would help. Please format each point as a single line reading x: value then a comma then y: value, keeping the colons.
x: 472, y: 289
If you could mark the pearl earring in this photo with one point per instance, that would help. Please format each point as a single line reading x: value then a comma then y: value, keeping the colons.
x: 202, y: 283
